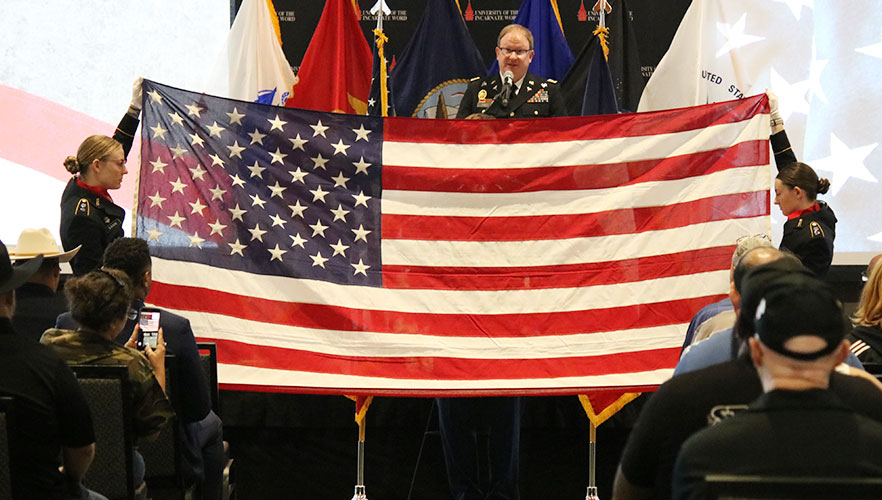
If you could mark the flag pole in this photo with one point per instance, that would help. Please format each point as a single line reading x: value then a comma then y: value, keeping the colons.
x: 362, y: 403
x: 594, y: 420
x: 591, y: 494
x: 360, y: 493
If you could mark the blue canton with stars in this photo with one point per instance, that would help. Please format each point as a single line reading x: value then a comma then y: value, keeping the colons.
x: 259, y: 188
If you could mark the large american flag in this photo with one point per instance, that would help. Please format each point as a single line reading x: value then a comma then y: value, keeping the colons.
x: 347, y: 254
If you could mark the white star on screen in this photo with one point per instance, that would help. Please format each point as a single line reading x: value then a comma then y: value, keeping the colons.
x: 195, y: 240
x: 797, y: 5
x: 198, y: 172
x: 735, y: 36
x: 845, y: 163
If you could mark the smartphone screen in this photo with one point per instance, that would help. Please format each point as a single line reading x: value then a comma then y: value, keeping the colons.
x: 148, y: 326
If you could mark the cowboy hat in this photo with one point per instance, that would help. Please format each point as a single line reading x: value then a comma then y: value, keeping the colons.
x: 13, y: 277
x: 33, y: 242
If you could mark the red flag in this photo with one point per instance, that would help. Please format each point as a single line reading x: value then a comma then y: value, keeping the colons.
x: 362, y: 255
x: 335, y: 74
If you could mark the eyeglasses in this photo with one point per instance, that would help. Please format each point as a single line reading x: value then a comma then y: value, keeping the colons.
x: 121, y: 163
x: 518, y: 52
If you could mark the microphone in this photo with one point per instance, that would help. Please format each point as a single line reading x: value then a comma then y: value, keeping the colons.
x: 507, y: 83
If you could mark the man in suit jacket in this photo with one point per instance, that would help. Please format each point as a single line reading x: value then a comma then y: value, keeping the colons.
x: 531, y: 96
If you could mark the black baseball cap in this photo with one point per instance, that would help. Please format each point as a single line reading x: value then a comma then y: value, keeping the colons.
x: 794, y: 304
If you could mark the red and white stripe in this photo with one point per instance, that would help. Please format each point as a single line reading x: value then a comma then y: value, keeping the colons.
x: 533, y: 257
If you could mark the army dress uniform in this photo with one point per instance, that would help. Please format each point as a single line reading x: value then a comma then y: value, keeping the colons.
x: 810, y: 237
x: 90, y: 219
x: 537, y: 98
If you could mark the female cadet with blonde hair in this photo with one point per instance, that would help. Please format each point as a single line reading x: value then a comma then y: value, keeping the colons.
x: 89, y: 217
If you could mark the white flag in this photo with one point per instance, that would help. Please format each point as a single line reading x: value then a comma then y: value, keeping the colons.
x: 824, y: 61
x: 252, y: 66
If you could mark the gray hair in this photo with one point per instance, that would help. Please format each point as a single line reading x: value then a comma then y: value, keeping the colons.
x: 745, y: 244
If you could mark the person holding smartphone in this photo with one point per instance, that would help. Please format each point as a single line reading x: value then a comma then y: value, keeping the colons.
x: 99, y: 303
x: 203, y: 446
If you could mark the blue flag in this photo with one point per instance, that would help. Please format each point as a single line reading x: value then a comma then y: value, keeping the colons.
x: 375, y: 98
x: 552, y: 57
x: 436, y: 64
x: 588, y: 86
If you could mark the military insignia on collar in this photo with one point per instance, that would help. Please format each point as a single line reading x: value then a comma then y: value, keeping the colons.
x: 815, y: 228
x: 540, y: 96
x: 82, y: 207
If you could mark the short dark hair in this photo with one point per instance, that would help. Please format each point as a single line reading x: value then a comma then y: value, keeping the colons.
x: 99, y: 298
x: 129, y: 255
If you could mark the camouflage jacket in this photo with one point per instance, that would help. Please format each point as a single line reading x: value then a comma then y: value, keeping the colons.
x: 151, y: 407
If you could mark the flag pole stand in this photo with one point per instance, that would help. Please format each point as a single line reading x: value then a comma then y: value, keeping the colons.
x: 360, y: 493
x: 591, y: 494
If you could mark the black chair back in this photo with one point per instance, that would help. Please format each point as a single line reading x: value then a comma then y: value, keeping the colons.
x: 161, y: 456
x: 6, y: 404
x: 106, y: 389
x: 208, y: 358
x: 757, y: 487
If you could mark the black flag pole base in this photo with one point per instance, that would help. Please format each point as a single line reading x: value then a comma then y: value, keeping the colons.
x: 591, y: 494
x: 359, y: 493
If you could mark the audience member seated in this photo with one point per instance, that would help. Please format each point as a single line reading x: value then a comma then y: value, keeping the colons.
x: 866, y: 337
x: 688, y: 403
x: 99, y: 302
x: 726, y: 345
x: 720, y: 316
x: 202, y: 430
x: 54, y: 442
x: 37, y: 302
x: 798, y: 427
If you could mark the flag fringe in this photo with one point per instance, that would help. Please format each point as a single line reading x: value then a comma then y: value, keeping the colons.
x: 597, y: 419
x: 602, y: 32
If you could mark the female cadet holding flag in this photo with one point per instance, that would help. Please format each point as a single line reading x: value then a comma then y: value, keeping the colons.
x: 811, y: 224
x: 89, y: 217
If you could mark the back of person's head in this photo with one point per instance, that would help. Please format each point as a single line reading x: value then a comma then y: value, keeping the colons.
x: 130, y: 255
x: 797, y: 315
x: 869, y: 310
x: 99, y: 298
x: 751, y: 280
x: 757, y: 257
x: 745, y: 244
x: 798, y: 174
x: 95, y: 147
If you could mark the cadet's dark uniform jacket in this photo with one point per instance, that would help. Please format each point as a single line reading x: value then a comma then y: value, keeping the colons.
x: 537, y: 97
x: 88, y: 219
x: 810, y: 236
